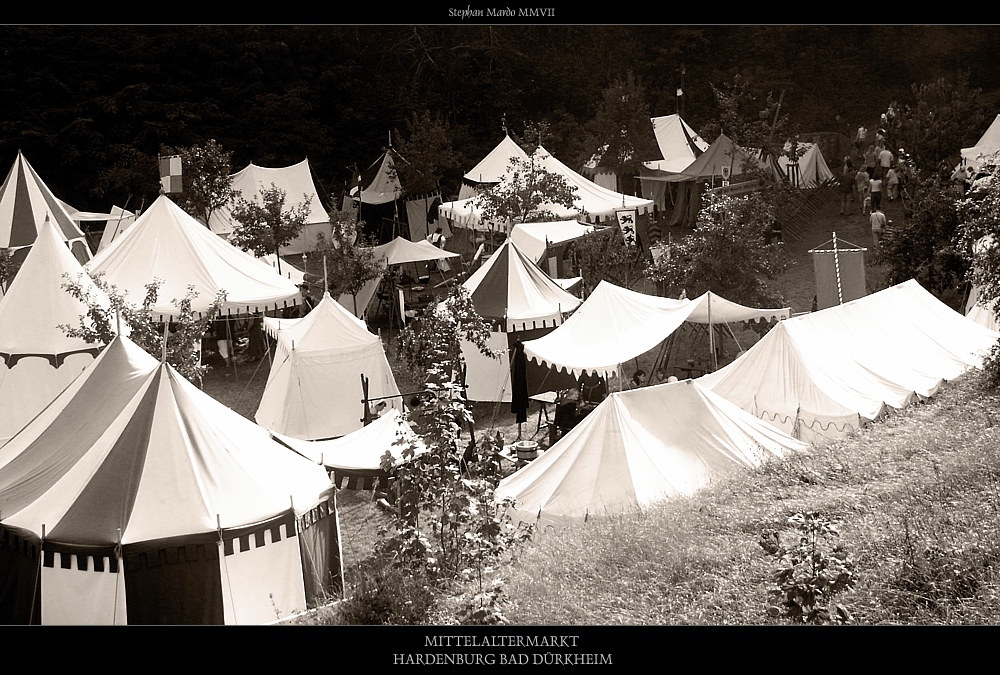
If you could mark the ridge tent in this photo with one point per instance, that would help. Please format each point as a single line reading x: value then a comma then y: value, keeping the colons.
x: 166, y: 243
x: 679, y: 144
x: 39, y: 359
x: 638, y: 448
x: 314, y: 389
x: 297, y: 183
x: 616, y: 324
x: 823, y: 375
x: 811, y: 168
x: 25, y: 202
x: 521, y: 303
x: 378, y: 191
x: 137, y: 498
x: 356, y: 459
x: 491, y: 169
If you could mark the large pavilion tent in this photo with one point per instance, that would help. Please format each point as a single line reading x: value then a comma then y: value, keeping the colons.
x: 38, y: 358
x: 491, y: 169
x: 823, y: 375
x: 297, y: 183
x: 356, y: 458
x: 25, y: 203
x: 314, y: 389
x: 521, y: 303
x: 593, y: 204
x: 137, y: 498
x: 615, y: 325
x: 166, y: 243
x: 638, y: 448
x: 987, y: 146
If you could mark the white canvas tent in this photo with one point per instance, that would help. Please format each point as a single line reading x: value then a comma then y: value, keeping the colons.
x: 987, y: 146
x: 521, y: 302
x: 168, y: 244
x: 25, y: 203
x: 118, y: 221
x: 356, y: 459
x: 297, y: 183
x: 536, y: 240
x: 314, y: 389
x: 823, y: 375
x: 678, y: 143
x: 491, y: 169
x: 638, y: 448
x: 38, y: 359
x: 615, y: 325
x: 594, y: 204
x: 810, y: 170
x: 401, y: 251
x: 137, y: 498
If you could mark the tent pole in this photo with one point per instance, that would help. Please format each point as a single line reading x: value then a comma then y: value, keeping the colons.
x: 711, y: 336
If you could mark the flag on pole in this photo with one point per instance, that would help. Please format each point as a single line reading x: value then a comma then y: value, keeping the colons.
x: 170, y: 174
x: 626, y: 221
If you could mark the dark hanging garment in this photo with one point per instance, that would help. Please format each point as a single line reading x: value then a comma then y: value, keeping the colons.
x: 519, y: 382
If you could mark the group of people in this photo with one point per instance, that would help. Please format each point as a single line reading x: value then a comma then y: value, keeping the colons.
x: 878, y: 175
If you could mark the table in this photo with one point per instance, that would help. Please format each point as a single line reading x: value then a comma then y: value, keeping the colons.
x: 544, y: 399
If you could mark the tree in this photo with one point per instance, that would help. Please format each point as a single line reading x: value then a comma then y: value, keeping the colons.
x: 942, y: 118
x: 604, y: 256
x: 426, y: 148
x: 348, y: 259
x: 527, y: 194
x: 205, y: 178
x: 727, y: 253
x: 978, y: 240
x: 100, y: 324
x: 621, y: 130
x: 745, y: 119
x: 265, y: 226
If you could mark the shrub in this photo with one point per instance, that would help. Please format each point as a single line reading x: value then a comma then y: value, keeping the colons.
x: 388, y: 595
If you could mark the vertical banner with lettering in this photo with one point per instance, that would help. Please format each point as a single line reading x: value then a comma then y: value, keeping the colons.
x: 626, y: 221
x: 170, y: 174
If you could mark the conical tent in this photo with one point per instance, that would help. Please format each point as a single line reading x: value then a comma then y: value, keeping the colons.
x: 491, y: 169
x: 314, y: 389
x: 987, y: 146
x: 378, y: 191
x: 522, y: 303
x: 137, y: 498
x: 638, y: 448
x: 297, y: 183
x: 678, y: 143
x: 25, y: 202
x: 166, y: 243
x: 39, y: 358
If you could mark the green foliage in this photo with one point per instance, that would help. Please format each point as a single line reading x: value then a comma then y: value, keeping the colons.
x: 727, y: 253
x: 205, y: 177
x: 978, y: 232
x: 604, y: 256
x: 527, y: 194
x: 941, y: 119
x: 101, y: 323
x: 265, y: 226
x: 428, y: 154
x: 812, y: 572
x: 8, y: 268
x: 745, y: 119
x: 388, y: 595
x: 621, y: 131
x: 349, y: 262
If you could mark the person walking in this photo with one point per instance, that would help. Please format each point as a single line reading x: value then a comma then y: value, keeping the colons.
x: 846, y: 184
x: 892, y: 184
x: 876, y: 192
x: 863, y: 184
x: 878, y: 223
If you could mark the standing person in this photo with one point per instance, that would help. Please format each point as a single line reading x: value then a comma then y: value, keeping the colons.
x: 863, y: 184
x: 438, y: 239
x: 876, y: 192
x: 846, y: 184
x: 885, y: 160
x: 870, y: 159
x: 892, y: 183
x: 308, y: 302
x: 878, y: 223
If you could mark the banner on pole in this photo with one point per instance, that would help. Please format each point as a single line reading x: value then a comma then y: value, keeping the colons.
x: 626, y: 221
x: 170, y: 174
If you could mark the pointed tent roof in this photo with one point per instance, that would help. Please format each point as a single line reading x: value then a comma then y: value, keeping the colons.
x: 722, y: 153
x: 987, y: 145
x: 25, y: 201
x: 133, y: 453
x: 494, y: 166
x: 533, y: 239
x: 640, y: 447
x: 818, y: 376
x: 512, y: 293
x: 314, y: 389
x: 39, y: 359
x: 168, y: 244
x: 296, y: 180
x: 617, y: 324
x: 379, y: 182
x: 678, y: 142
x: 401, y: 250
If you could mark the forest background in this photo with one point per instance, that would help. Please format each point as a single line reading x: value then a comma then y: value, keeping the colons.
x: 92, y: 106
